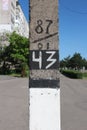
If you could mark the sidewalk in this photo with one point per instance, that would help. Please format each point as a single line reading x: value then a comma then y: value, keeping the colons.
x: 14, y: 104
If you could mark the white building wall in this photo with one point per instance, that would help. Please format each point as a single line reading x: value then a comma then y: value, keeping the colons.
x: 5, y: 28
x: 9, y: 20
x: 21, y: 24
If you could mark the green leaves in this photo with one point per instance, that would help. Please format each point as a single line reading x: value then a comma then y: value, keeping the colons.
x: 17, y: 52
x: 74, y: 62
x: 19, y: 47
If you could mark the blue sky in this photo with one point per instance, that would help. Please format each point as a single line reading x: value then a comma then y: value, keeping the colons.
x: 72, y: 26
x: 25, y: 7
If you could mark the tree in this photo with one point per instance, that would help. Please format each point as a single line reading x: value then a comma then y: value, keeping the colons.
x: 17, y: 52
x: 62, y: 64
x: 0, y: 53
x: 65, y: 63
x: 3, y: 57
x: 85, y: 63
x: 76, y: 61
x: 4, y: 66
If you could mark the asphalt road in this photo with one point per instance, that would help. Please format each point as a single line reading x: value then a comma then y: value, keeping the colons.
x: 14, y: 104
x: 73, y: 104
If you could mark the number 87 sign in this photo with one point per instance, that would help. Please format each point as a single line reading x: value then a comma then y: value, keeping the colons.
x: 44, y: 59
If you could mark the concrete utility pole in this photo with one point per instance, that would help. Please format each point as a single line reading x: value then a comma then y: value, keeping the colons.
x: 44, y: 87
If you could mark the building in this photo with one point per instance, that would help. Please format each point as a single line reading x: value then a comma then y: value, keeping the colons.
x: 12, y: 18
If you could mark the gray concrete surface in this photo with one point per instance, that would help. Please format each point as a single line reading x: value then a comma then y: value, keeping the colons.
x: 13, y: 103
x: 73, y: 104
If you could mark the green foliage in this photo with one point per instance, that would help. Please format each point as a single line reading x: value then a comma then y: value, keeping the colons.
x: 65, y: 62
x: 16, y: 54
x: 19, y: 48
x: 4, y: 65
x: 85, y: 75
x: 72, y: 74
x: 74, y: 62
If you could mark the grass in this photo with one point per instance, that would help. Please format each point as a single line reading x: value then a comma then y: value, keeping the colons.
x: 15, y: 75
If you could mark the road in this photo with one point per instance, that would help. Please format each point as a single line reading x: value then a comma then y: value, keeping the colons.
x: 14, y: 104
x: 73, y: 104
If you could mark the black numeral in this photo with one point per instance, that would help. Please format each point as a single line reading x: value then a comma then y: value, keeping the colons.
x: 48, y: 26
x: 39, y: 28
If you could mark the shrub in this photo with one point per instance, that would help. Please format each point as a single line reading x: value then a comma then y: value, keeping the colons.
x: 72, y: 74
x: 85, y: 75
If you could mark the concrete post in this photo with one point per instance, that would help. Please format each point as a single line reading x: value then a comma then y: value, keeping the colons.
x: 44, y: 87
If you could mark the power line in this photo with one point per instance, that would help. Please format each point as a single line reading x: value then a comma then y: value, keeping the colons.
x: 71, y: 10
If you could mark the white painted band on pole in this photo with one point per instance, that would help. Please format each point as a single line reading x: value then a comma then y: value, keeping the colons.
x: 44, y: 109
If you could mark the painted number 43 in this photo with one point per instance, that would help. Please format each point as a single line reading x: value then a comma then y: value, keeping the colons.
x: 44, y: 59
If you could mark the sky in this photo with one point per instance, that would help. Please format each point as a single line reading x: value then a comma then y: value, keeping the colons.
x: 72, y: 26
x: 25, y: 7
